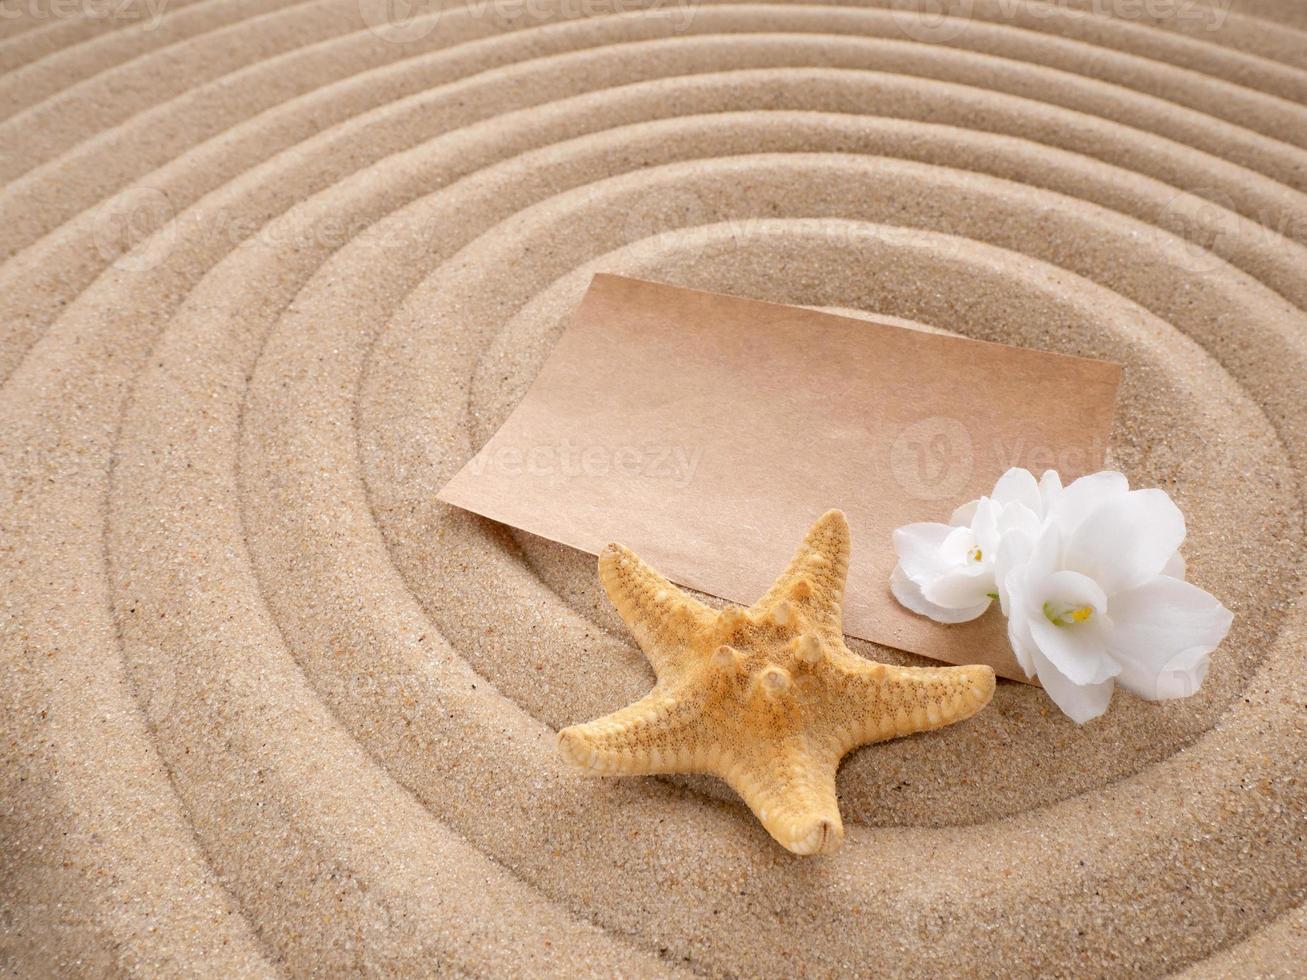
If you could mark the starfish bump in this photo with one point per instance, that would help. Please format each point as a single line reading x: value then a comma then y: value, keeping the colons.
x: 767, y: 698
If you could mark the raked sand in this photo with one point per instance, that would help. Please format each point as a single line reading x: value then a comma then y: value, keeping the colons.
x: 272, y: 271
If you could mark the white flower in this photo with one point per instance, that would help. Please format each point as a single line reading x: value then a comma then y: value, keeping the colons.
x: 1089, y: 575
x: 951, y: 572
x: 1100, y: 597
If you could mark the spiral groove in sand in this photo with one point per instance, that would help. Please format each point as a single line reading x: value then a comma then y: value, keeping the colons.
x: 272, y: 271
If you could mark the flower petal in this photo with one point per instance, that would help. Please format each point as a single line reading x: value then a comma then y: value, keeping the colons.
x: 1162, y: 635
x: 1050, y: 489
x: 1014, y: 550
x: 1023, y: 644
x: 962, y: 516
x: 1078, y: 652
x: 1074, y: 589
x: 1018, y: 517
x: 1077, y: 500
x: 909, y: 594
x: 1127, y: 540
x: 1080, y: 702
x: 1017, y: 486
x: 1175, y: 567
x: 918, y: 547
x: 1042, y: 561
x: 984, y: 527
x: 961, y: 588
x: 957, y: 547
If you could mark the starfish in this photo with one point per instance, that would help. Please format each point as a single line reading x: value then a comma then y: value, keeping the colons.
x: 767, y: 698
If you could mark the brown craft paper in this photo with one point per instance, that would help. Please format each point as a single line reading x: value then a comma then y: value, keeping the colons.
x: 707, y: 432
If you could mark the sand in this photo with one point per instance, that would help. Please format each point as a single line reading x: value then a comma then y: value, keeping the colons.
x: 271, y: 272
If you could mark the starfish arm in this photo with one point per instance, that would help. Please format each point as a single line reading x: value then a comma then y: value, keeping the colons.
x: 663, y: 619
x: 660, y: 733
x: 813, y: 582
x: 791, y: 790
x: 873, y: 702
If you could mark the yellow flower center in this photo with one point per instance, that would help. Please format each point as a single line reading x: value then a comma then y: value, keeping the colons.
x: 1060, y: 614
x: 976, y: 554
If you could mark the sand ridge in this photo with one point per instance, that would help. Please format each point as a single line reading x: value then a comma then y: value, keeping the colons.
x: 270, y: 277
